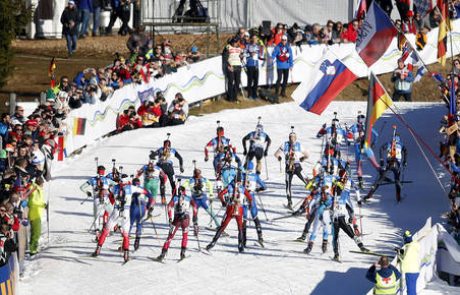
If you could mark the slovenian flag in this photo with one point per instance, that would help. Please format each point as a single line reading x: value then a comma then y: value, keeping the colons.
x: 375, y: 35
x: 79, y: 126
x: 332, y: 76
x: 421, y: 71
x: 377, y: 103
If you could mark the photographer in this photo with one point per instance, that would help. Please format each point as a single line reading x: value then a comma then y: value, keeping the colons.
x: 402, y: 79
x: 178, y: 110
x: 128, y: 120
x: 7, y: 244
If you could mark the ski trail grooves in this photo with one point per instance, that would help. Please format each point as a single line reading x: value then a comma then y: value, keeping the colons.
x: 281, y: 267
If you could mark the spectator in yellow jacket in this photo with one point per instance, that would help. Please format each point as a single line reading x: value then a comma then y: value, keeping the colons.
x: 409, y: 255
x: 36, y: 205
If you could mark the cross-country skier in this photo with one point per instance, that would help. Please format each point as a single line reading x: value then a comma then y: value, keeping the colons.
x: 253, y: 184
x: 153, y: 175
x: 217, y: 146
x: 294, y: 154
x: 102, y: 205
x: 165, y: 162
x: 200, y: 187
x: 140, y: 205
x: 343, y: 206
x: 323, y: 201
x: 320, y: 177
x: 396, y: 158
x: 123, y: 193
x: 180, y: 204
x: 259, y: 142
x: 335, y: 136
x: 232, y: 198
x: 357, y: 133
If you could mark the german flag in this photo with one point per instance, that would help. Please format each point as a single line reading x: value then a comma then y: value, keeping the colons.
x: 51, y: 74
x: 377, y: 103
x: 79, y: 126
x: 444, y: 27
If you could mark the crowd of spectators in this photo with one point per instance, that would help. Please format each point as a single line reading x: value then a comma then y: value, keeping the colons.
x: 27, y: 147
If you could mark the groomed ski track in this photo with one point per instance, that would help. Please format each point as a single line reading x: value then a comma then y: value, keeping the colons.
x: 65, y: 266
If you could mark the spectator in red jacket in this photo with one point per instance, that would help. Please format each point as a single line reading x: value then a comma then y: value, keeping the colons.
x: 128, y: 120
x: 351, y: 33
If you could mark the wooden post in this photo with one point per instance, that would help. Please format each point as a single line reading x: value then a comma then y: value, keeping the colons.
x: 12, y: 102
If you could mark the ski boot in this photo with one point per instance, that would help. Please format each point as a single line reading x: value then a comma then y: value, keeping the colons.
x: 182, y: 253
x: 362, y: 248
x: 211, y: 245
x: 126, y: 255
x: 244, y: 233
x: 161, y: 257
x: 136, y: 243
x: 240, y: 242
x: 360, y: 182
x: 336, y: 257
x: 324, y: 246
x: 289, y: 204
x: 96, y: 252
x: 260, y: 239
x: 309, y: 248
x: 302, y: 238
x: 398, y: 197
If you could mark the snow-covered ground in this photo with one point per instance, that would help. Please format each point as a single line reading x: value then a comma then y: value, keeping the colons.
x: 65, y: 267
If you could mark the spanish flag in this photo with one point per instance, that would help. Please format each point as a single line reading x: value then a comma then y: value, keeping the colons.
x: 444, y: 27
x: 377, y: 103
x: 79, y: 126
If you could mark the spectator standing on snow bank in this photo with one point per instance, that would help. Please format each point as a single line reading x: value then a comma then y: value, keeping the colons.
x: 402, y: 79
x: 385, y: 279
x: 232, y: 66
x: 69, y: 21
x: 409, y: 255
x: 36, y: 205
x: 254, y: 52
x: 284, y: 62
x: 178, y: 110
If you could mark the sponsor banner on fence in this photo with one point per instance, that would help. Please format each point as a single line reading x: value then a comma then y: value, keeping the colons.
x: 9, y: 274
x: 205, y: 79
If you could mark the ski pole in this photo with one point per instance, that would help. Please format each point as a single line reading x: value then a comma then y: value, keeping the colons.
x: 87, y: 198
x: 99, y: 214
x: 262, y: 206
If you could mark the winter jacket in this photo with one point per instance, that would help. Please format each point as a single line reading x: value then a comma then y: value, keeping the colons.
x: 36, y: 202
x: 97, y: 3
x: 85, y: 5
x: 283, y: 55
x: 254, y: 53
x: 4, y: 132
x: 385, y: 279
x: 410, y: 258
x: 403, y: 81
x: 69, y: 21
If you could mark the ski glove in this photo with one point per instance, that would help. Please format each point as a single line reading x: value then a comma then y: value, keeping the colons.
x: 88, y: 194
x: 265, y: 153
x: 382, y: 163
x: 405, y: 164
x: 279, y: 159
x: 245, y: 152
x: 206, y: 158
x: 181, y: 169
